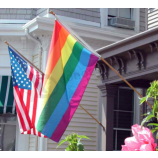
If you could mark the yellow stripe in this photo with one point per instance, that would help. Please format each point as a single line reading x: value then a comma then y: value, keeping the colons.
x: 67, y: 49
x: 58, y: 69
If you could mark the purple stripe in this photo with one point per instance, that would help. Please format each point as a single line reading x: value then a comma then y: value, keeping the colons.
x: 75, y: 100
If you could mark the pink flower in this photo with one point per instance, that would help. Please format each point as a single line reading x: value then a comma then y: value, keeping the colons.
x: 141, y: 141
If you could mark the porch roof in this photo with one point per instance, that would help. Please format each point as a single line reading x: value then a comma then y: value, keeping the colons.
x: 134, y: 41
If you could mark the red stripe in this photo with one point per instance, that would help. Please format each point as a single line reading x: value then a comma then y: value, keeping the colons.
x: 39, y: 134
x: 22, y: 93
x: 55, y: 36
x: 34, y: 110
x: 23, y: 106
x: 28, y: 100
x: 31, y: 73
x: 42, y: 84
x: 20, y: 117
x: 37, y: 79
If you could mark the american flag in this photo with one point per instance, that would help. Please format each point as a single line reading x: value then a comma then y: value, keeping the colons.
x: 27, y: 87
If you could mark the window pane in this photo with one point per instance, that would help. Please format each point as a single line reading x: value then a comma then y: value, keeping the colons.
x: 113, y: 11
x: 126, y: 99
x: 125, y: 13
x: 121, y: 135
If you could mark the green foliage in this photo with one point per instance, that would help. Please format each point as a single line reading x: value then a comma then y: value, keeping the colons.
x: 151, y: 117
x: 74, y: 142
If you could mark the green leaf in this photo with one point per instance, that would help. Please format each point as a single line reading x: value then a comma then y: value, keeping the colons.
x: 153, y: 130
x: 142, y: 100
x: 146, y: 119
x: 152, y: 124
x: 82, y: 136
x: 157, y: 135
x: 155, y: 108
x: 67, y: 149
x: 61, y: 142
x: 80, y: 147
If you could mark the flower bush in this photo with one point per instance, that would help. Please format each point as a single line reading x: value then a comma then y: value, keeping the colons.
x: 142, y: 140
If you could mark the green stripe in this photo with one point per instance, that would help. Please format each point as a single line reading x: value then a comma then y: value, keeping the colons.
x: 3, y: 90
x: 60, y: 87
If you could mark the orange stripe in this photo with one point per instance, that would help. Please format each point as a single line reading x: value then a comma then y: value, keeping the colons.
x: 56, y: 52
x: 55, y: 36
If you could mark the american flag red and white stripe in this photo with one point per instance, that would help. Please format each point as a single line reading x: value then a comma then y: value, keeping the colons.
x: 27, y: 85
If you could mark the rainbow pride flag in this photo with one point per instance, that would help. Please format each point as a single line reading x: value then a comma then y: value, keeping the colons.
x: 68, y: 70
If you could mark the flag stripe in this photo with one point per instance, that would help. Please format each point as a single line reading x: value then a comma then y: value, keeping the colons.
x: 60, y: 86
x: 55, y: 54
x: 57, y: 28
x: 21, y: 120
x: 58, y: 69
x: 74, y: 101
x: 70, y: 89
x: 22, y: 108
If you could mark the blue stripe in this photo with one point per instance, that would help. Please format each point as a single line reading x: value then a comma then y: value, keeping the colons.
x: 71, y: 87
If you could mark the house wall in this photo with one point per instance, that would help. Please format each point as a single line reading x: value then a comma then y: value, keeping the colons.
x: 143, y: 19
x: 81, y: 122
x: 88, y: 14
x: 152, y: 18
x: 17, y: 13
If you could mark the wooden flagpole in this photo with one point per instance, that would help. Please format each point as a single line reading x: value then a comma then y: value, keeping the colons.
x: 116, y: 72
x: 43, y: 74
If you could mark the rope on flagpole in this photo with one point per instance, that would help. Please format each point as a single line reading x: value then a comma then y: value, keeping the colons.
x: 24, y: 58
x: 110, y: 67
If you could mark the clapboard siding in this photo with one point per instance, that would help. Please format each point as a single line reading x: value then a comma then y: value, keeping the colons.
x: 143, y: 13
x: 89, y: 14
x: 81, y: 122
x: 152, y: 18
x: 17, y: 13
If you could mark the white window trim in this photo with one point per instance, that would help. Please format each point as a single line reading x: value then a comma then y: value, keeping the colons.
x: 135, y: 16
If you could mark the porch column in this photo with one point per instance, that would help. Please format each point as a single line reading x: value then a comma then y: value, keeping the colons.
x: 109, y: 98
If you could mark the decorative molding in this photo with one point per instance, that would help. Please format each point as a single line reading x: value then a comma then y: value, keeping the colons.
x: 45, y: 40
x: 142, y: 62
x: 122, y: 66
x: 132, y: 74
x: 156, y: 45
x: 151, y: 47
x: 138, y: 60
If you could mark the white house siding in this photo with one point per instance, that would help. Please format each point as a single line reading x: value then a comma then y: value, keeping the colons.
x: 17, y: 13
x: 88, y: 14
x: 152, y: 17
x: 143, y: 19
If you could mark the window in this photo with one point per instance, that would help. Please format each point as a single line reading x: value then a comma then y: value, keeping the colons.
x: 7, y: 115
x: 120, y: 12
x: 123, y: 117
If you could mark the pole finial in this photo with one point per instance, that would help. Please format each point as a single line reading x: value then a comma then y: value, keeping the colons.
x: 6, y: 43
x: 52, y: 12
